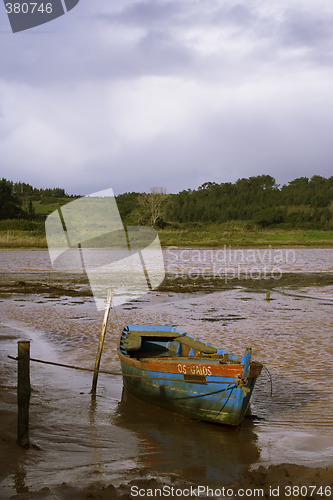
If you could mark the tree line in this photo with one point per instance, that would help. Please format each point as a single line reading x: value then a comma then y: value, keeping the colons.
x: 302, y: 203
x: 17, y: 199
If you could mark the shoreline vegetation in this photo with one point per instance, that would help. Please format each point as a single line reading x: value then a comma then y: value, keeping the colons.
x: 222, y: 235
x: 254, y: 212
x: 22, y: 234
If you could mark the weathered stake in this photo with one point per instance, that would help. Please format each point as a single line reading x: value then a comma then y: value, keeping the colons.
x: 23, y: 393
x: 101, y: 342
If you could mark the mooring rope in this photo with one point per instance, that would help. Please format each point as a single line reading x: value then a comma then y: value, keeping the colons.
x: 203, y: 394
x: 216, y: 402
x: 108, y: 372
x: 270, y: 378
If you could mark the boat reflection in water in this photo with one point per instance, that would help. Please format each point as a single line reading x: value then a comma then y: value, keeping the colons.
x: 194, y: 451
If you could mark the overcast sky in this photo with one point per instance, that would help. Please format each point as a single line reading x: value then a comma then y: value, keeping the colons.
x: 134, y: 94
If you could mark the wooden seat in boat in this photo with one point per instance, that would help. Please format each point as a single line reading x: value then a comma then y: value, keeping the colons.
x: 197, y: 344
x: 133, y: 340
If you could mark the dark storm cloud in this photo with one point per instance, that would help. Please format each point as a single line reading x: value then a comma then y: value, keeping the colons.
x: 143, y: 93
x: 152, y: 14
x: 112, y: 53
x: 267, y: 38
x: 146, y: 13
x: 165, y: 41
x: 306, y: 28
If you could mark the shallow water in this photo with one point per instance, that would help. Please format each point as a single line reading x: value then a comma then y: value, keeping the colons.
x: 186, y: 260
x: 114, y: 438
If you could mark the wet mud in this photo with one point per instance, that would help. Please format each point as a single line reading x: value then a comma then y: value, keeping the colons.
x: 55, y: 285
x: 99, y: 448
x: 282, y: 479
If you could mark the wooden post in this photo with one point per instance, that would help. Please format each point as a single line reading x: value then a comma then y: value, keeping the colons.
x: 23, y: 393
x: 101, y: 342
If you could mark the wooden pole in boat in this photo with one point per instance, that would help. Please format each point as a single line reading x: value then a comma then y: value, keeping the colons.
x: 101, y: 341
x: 23, y: 392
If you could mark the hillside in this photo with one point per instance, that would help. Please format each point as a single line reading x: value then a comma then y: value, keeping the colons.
x: 250, y: 212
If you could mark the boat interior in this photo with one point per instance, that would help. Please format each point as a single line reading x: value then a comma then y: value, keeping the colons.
x: 171, y: 344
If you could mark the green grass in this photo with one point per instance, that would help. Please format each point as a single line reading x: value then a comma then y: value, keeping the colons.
x: 18, y: 233
x: 31, y: 234
x: 240, y: 234
x: 46, y: 206
x: 13, y: 239
x: 22, y: 234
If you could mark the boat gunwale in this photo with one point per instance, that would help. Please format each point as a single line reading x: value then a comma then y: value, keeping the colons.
x: 225, y: 368
x: 156, y: 365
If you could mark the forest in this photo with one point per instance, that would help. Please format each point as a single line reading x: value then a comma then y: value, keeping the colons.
x: 302, y: 203
x: 19, y: 200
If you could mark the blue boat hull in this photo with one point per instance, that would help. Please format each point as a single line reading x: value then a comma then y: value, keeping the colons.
x: 202, y: 386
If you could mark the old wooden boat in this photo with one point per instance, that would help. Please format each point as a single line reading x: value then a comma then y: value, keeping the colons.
x: 168, y: 368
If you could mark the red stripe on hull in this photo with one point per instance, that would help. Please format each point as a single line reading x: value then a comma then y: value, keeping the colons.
x: 186, y: 367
